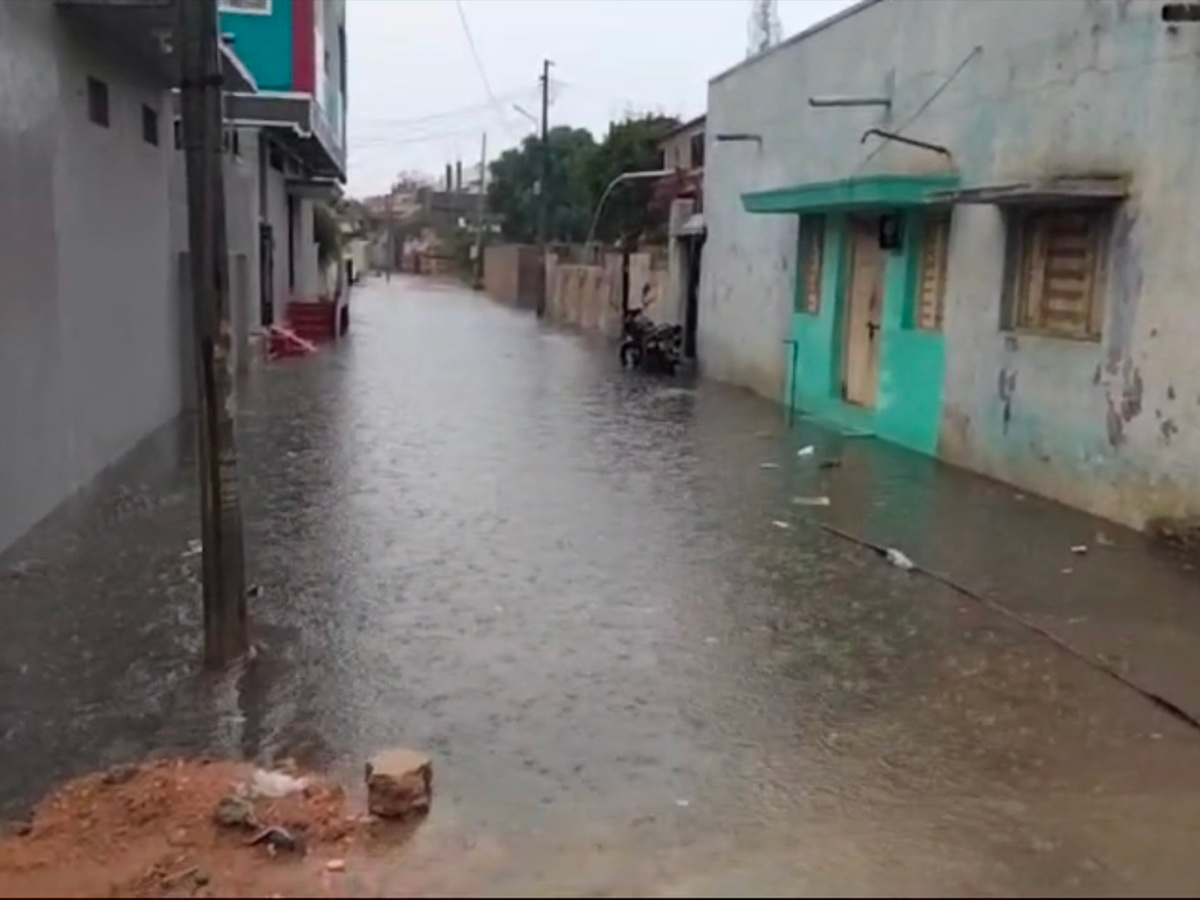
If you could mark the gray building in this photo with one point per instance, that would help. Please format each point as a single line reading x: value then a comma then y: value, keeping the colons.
x: 967, y: 228
x: 90, y: 327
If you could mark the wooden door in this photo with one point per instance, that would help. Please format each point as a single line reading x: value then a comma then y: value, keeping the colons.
x: 864, y: 311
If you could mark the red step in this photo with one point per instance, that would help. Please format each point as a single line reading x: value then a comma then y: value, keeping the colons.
x: 313, y: 321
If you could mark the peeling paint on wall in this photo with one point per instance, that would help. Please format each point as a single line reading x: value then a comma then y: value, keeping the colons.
x: 1125, y: 288
x: 1007, y: 390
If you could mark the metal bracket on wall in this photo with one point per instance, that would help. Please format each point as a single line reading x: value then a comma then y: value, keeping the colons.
x: 728, y: 138
x: 892, y: 136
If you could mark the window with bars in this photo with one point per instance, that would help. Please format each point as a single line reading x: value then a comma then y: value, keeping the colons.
x: 1055, y: 272
x: 931, y: 273
x: 812, y: 253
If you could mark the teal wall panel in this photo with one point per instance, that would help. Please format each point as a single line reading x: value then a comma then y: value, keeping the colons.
x: 264, y: 44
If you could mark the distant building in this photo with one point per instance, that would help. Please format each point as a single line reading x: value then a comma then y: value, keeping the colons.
x: 683, y: 147
x: 682, y: 150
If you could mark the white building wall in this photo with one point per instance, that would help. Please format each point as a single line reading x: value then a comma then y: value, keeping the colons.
x: 277, y: 215
x: 88, y: 326
x: 1013, y: 90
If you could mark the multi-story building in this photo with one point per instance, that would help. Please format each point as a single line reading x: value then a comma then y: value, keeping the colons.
x: 287, y: 143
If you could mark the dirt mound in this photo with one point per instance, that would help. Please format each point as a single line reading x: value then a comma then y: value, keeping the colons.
x: 149, y: 831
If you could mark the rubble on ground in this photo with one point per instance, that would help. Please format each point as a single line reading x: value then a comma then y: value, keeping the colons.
x: 399, y: 784
x: 181, y: 828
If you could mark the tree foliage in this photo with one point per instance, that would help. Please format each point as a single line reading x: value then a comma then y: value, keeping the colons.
x: 580, y: 170
x: 630, y: 146
x: 513, y: 189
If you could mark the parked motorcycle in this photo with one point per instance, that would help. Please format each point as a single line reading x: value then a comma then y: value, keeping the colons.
x: 650, y: 347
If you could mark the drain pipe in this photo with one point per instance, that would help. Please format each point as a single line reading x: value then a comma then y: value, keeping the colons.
x: 791, y: 394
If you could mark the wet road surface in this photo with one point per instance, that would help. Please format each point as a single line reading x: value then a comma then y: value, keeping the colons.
x: 477, y: 536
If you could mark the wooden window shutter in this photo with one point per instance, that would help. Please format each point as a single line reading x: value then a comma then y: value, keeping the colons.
x: 931, y: 278
x: 1062, y: 257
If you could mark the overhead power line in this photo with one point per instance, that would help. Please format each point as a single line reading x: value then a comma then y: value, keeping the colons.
x: 462, y: 17
x: 390, y: 122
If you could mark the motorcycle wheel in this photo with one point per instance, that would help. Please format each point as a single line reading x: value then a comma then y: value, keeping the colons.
x: 631, y: 356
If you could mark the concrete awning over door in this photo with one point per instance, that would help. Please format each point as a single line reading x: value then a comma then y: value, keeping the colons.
x: 1061, y: 190
x: 865, y: 192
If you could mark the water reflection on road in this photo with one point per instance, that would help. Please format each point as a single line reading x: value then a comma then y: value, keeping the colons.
x: 477, y: 536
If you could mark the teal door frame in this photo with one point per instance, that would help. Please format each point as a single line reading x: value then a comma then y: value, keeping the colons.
x: 912, y: 362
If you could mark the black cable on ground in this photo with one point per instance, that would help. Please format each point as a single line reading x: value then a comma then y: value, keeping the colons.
x: 1000, y: 609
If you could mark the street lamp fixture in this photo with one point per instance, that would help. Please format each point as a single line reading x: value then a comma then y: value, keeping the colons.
x: 620, y: 179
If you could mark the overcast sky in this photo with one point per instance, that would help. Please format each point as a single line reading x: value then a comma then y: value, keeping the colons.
x: 418, y: 100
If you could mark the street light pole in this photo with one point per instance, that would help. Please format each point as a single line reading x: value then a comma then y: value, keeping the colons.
x: 620, y: 179
x: 543, y: 182
x: 481, y: 213
x: 223, y: 552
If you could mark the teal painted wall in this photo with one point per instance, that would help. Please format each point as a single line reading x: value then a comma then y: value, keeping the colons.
x: 264, y: 44
x: 908, y: 402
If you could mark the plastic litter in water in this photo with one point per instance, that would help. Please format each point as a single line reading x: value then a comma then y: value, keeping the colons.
x: 1079, y: 548
x: 899, y: 559
x: 681, y: 803
x: 779, y: 523
x: 768, y: 465
x: 811, y: 501
x: 806, y: 451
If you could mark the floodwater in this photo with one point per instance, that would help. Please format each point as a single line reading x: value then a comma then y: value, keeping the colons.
x: 477, y: 536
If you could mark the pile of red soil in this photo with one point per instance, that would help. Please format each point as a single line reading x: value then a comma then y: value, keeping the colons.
x: 148, y: 831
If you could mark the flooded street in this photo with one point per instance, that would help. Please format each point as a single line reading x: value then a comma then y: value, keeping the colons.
x: 477, y: 536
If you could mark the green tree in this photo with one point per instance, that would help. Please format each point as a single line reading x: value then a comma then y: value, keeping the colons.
x: 513, y: 189
x: 631, y: 145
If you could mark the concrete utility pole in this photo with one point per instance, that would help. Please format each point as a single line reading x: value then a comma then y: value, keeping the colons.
x: 544, y: 181
x: 480, y: 213
x: 223, y: 555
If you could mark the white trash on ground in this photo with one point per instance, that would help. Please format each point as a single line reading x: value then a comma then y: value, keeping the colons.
x: 806, y: 451
x: 768, y: 465
x: 268, y: 783
x: 779, y: 523
x: 1080, y: 549
x: 899, y: 559
x: 811, y: 501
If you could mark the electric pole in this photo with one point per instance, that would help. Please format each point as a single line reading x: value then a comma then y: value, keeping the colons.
x: 391, y: 233
x: 223, y: 553
x: 480, y: 213
x: 544, y: 181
